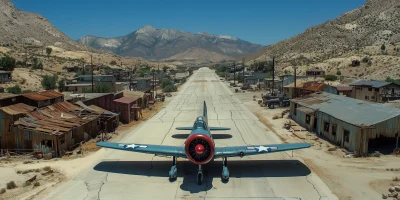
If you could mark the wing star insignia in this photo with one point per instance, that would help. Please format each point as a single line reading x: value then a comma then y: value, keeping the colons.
x: 133, y: 146
x: 266, y: 149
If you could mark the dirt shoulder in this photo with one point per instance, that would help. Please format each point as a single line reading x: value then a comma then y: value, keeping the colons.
x: 348, y: 178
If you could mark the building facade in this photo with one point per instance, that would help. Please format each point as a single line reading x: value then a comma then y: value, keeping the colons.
x: 375, y: 91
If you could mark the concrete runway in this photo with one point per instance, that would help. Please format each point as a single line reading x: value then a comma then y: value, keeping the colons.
x: 127, y: 175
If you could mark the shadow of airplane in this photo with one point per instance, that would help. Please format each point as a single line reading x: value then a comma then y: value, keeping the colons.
x: 215, y: 136
x: 188, y: 171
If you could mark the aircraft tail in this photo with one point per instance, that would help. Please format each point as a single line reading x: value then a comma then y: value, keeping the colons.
x: 205, y: 110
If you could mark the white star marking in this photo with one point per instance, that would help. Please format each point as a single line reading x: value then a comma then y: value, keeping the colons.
x: 133, y: 146
x: 266, y: 149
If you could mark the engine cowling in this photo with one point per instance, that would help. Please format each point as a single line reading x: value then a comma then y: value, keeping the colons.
x: 199, y: 148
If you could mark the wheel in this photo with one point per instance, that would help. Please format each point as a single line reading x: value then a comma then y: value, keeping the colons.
x: 199, y: 178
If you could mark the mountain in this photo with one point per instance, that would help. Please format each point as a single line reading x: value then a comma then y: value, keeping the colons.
x: 24, y: 27
x: 358, y: 34
x: 157, y: 44
x: 375, y: 23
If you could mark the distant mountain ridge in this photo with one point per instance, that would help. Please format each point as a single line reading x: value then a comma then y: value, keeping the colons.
x: 18, y: 26
x: 157, y: 44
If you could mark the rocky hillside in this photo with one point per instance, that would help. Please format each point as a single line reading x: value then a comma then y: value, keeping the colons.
x: 371, y: 31
x: 24, y: 27
x: 157, y: 44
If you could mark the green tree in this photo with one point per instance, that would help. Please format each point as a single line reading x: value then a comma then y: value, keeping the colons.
x: 383, y: 47
x: 190, y: 72
x: 49, y: 82
x: 165, y: 69
x: 170, y: 88
x: 14, y: 90
x: 48, y: 51
x: 330, y: 78
x: 8, y: 63
x: 61, y: 85
x: 99, y: 88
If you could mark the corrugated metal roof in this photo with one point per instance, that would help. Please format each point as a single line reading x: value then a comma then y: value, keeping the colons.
x: 126, y: 100
x: 374, y: 84
x: 36, y: 97
x: 7, y: 95
x: 352, y: 111
x: 315, y: 87
x: 18, y: 108
x: 51, y: 93
x: 64, y: 107
x: 343, y: 87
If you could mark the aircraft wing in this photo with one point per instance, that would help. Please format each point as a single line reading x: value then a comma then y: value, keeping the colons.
x: 239, y: 151
x: 178, y: 151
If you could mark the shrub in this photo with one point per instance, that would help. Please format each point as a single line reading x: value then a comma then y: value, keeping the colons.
x: 396, y: 178
x: 47, y: 168
x: 61, y: 85
x: 36, y: 184
x: 48, y: 51
x: 27, y: 171
x: 365, y: 59
x: 369, y: 63
x: 170, y: 88
x: 99, y: 88
x: 8, y: 63
x: 11, y: 185
x: 339, y: 73
x: 330, y: 78
x: 3, y: 190
x: 14, y: 90
x: 26, y: 184
x: 113, y: 62
x: 383, y: 47
x: 49, y: 82
x: 23, y: 81
x: 19, y: 172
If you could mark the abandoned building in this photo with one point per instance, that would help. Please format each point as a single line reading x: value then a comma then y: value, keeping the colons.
x: 128, y: 108
x: 343, y: 89
x: 7, y: 99
x: 315, y: 72
x: 78, y: 87
x: 55, y: 129
x: 42, y: 99
x: 109, y: 80
x: 5, y: 76
x: 375, y: 91
x: 359, y: 126
x: 8, y: 115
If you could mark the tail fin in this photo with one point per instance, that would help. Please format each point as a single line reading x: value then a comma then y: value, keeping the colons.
x: 205, y: 110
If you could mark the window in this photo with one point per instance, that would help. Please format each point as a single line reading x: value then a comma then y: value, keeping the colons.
x: 346, y: 134
x: 373, y: 97
x: 369, y: 89
x: 295, y: 109
x: 376, y: 89
x: 326, y: 127
x: 334, y: 129
x: 308, y: 119
x: 366, y: 97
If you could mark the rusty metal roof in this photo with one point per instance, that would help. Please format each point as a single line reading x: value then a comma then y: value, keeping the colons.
x: 315, y: 87
x: 18, y: 108
x: 343, y: 87
x: 7, y: 95
x: 64, y: 107
x: 352, y: 111
x: 126, y: 100
x: 36, y: 97
x: 51, y: 93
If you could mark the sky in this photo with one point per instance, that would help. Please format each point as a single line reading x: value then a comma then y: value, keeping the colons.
x: 258, y: 21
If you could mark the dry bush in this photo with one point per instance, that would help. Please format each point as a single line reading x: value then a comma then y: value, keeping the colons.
x: 396, y: 178
x: 11, y: 185
x: 27, y: 161
x: 3, y: 190
x: 47, y: 168
x: 26, y: 184
x: 36, y: 184
x: 28, y: 171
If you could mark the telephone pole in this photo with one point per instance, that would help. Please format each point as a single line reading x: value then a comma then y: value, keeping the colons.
x: 295, y: 90
x: 91, y: 65
x: 234, y: 73
x: 273, y: 75
x: 243, y: 69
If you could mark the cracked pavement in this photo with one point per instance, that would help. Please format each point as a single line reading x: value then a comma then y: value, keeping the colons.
x: 121, y: 174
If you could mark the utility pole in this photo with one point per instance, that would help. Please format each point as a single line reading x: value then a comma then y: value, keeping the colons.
x: 295, y: 90
x: 154, y: 85
x: 243, y: 69
x: 273, y: 75
x: 91, y: 65
x: 234, y: 73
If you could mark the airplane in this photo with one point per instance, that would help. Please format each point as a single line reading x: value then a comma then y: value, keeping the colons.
x: 200, y: 148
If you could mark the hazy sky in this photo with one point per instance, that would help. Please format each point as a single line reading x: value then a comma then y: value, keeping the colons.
x: 258, y: 21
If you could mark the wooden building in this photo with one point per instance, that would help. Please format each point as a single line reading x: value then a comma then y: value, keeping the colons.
x: 359, y: 126
x: 128, y: 109
x: 42, y: 99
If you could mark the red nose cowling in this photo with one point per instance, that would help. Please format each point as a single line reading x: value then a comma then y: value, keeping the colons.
x: 199, y: 149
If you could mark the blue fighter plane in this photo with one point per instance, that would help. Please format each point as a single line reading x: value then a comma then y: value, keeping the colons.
x: 200, y: 148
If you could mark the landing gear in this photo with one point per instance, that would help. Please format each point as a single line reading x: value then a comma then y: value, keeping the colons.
x: 200, y: 176
x: 225, y: 171
x: 173, y: 173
